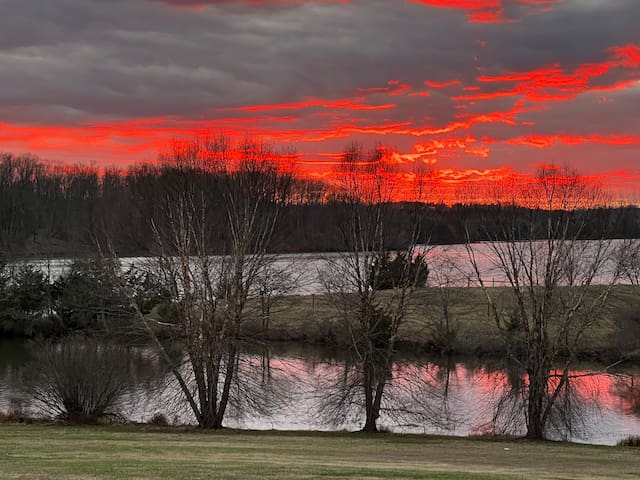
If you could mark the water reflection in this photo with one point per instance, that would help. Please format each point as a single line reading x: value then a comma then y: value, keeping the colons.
x: 626, y: 393
x: 302, y: 388
x: 13, y: 357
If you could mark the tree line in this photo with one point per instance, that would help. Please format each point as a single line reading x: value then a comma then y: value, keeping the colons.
x: 48, y: 211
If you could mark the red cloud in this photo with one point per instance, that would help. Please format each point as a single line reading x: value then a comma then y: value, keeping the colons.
x: 451, y: 83
x: 489, y: 11
x: 556, y: 83
x: 313, y: 103
x: 627, y: 55
x: 477, y: 11
x: 544, y: 141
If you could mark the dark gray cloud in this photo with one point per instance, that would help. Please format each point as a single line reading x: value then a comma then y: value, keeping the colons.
x: 72, y: 62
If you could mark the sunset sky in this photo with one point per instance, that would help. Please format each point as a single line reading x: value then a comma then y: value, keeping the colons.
x: 475, y: 89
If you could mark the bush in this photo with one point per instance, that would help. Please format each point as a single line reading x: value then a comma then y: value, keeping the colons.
x: 442, y: 337
x: 79, y: 380
x: 87, y: 298
x: 159, y: 420
x: 148, y: 291
x: 626, y: 335
x: 631, y: 441
x: 17, y: 411
x: 399, y: 271
x: 25, y: 301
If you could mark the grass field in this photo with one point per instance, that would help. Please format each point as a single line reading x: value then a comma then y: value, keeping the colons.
x: 131, y: 452
x: 312, y: 319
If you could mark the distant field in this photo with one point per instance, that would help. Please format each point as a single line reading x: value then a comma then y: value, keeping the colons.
x: 312, y: 318
x: 131, y: 452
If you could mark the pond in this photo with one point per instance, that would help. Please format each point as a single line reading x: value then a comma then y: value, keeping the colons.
x: 449, y: 265
x: 449, y: 396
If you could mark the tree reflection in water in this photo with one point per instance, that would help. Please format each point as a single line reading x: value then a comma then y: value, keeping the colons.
x: 419, y: 396
x: 627, y: 389
x: 306, y: 388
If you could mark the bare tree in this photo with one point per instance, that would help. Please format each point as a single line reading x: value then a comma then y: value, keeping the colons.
x: 244, y: 183
x: 552, y: 272
x: 628, y: 257
x: 445, y: 279
x: 371, y: 316
x: 626, y: 336
x: 275, y: 281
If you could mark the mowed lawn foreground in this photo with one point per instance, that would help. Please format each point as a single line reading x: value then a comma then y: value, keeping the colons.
x: 132, y: 452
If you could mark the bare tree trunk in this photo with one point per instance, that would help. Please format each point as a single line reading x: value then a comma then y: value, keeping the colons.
x: 370, y: 390
x: 536, y: 397
x: 230, y: 373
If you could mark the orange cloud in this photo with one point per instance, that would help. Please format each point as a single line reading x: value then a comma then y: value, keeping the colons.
x: 545, y: 141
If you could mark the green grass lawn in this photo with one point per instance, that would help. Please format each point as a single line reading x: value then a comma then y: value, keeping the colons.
x: 136, y: 452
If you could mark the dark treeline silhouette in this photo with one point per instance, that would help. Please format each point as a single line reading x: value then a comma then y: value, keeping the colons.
x: 55, y: 211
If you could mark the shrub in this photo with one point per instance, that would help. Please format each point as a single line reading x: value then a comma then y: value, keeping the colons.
x: 25, y: 301
x: 147, y: 289
x: 159, y: 420
x: 16, y: 411
x: 631, y: 441
x: 443, y: 335
x: 626, y: 335
x: 399, y: 271
x: 87, y: 298
x: 79, y: 380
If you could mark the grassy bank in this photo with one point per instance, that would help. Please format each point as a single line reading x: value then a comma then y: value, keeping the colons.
x: 312, y: 319
x: 131, y: 452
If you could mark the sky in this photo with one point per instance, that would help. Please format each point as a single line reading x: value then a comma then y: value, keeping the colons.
x: 475, y: 90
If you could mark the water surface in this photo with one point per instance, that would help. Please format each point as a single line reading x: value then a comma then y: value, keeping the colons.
x: 436, y: 396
